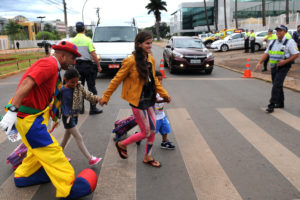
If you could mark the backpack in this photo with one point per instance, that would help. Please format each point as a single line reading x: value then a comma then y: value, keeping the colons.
x: 17, y: 156
x: 122, y: 126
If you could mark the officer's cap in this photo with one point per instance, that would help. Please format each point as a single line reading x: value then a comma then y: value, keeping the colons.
x: 281, y: 27
x: 80, y: 25
x: 270, y: 30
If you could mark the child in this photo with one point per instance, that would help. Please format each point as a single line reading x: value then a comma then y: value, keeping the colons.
x: 72, y: 96
x: 162, y: 122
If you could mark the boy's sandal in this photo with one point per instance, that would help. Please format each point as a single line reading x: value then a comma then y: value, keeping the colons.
x: 122, y: 152
x: 153, y: 163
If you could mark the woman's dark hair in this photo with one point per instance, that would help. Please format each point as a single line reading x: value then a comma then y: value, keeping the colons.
x: 140, y: 57
x: 71, y: 73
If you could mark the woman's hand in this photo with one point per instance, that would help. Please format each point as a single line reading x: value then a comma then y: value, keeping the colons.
x: 102, y: 102
x: 167, y: 99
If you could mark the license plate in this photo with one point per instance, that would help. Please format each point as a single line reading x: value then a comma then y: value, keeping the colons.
x: 113, y: 66
x: 194, y: 61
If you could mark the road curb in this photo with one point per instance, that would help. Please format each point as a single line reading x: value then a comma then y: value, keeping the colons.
x: 289, y: 82
x: 11, y: 73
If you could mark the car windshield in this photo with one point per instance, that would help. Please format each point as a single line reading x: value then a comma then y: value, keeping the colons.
x: 188, y: 43
x: 115, y: 34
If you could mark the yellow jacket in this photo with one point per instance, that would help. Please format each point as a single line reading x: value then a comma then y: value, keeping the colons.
x: 132, y: 83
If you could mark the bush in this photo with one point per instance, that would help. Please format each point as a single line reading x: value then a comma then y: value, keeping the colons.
x: 45, y: 35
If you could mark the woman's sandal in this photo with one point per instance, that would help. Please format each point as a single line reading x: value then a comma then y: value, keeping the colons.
x: 122, y: 152
x: 153, y: 163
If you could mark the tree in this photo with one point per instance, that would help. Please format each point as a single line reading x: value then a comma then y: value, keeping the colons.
x: 205, y: 8
x: 15, y: 31
x: 155, y: 6
x: 263, y: 7
x: 216, y: 13
x: 89, y: 33
x: 287, y: 10
x: 49, y: 28
x: 236, y: 15
x: 225, y: 18
x: 164, y: 30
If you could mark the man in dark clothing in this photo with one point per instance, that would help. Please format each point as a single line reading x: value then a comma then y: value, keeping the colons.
x: 296, y: 37
x: 18, y: 45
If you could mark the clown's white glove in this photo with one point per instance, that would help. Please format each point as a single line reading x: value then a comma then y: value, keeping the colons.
x: 7, y: 123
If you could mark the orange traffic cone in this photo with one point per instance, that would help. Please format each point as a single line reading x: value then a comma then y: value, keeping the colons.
x: 162, y: 69
x: 247, y: 72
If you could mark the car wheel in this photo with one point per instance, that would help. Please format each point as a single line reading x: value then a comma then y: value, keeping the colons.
x: 208, y: 71
x: 165, y: 63
x: 224, y: 48
x: 171, y: 68
x: 257, y: 47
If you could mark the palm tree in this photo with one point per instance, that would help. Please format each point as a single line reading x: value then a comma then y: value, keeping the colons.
x: 225, y: 18
x: 263, y: 7
x: 15, y: 31
x: 156, y: 6
x: 216, y: 13
x: 287, y: 10
x: 236, y: 15
x: 206, y: 16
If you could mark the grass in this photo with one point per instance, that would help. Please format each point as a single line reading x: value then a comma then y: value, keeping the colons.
x: 21, y: 60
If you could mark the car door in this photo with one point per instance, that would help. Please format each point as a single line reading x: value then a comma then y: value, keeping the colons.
x: 239, y: 41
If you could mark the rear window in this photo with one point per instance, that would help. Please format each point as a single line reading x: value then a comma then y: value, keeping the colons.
x: 115, y: 34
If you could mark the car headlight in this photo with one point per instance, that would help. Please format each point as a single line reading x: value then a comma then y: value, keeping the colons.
x: 209, y: 55
x: 176, y: 54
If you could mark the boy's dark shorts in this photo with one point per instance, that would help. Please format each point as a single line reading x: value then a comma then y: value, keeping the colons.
x: 69, y: 123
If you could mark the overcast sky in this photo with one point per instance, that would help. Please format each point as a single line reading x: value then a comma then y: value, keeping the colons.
x: 111, y: 11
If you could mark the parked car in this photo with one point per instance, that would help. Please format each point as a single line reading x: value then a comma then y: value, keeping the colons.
x: 187, y: 53
x: 223, y: 33
x: 234, y: 41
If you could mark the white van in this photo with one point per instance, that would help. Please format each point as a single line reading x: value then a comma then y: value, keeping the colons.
x: 113, y: 44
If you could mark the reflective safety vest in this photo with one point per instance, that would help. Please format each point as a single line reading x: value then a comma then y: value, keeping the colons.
x: 288, y: 36
x: 252, y: 36
x: 247, y: 35
x: 276, y: 56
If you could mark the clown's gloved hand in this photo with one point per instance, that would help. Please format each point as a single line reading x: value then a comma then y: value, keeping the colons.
x: 6, y: 124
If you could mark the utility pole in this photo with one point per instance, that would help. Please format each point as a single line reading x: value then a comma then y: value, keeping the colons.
x: 41, y: 17
x: 98, y: 15
x: 66, y: 20
x: 82, y: 10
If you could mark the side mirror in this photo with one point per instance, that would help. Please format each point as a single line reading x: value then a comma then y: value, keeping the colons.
x: 168, y: 46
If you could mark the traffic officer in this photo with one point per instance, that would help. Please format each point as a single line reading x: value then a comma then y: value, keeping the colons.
x: 86, y: 67
x: 246, y: 37
x: 296, y: 36
x: 217, y: 35
x: 252, y: 41
x: 268, y: 38
x: 282, y: 53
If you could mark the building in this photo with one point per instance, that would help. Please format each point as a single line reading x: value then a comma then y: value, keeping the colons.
x: 190, y: 18
x: 58, y: 24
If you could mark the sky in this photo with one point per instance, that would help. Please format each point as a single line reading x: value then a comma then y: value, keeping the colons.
x: 111, y: 11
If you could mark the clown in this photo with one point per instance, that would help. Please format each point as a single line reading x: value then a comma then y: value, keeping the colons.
x: 30, y: 111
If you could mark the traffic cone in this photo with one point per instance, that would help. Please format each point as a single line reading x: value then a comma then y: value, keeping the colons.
x: 162, y: 69
x: 247, y: 72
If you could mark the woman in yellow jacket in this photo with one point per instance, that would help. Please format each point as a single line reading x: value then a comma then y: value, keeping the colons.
x: 139, y: 88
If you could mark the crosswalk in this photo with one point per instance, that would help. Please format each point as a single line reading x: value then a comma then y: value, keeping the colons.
x: 209, y: 179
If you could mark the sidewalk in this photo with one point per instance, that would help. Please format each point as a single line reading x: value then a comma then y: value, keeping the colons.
x: 236, y: 60
x: 9, y: 51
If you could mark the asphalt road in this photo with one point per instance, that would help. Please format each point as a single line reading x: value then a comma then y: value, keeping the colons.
x: 227, y: 147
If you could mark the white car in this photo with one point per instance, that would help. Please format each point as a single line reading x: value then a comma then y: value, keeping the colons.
x: 234, y: 41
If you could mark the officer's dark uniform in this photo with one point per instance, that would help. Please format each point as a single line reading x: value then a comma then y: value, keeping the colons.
x: 252, y: 41
x: 247, y: 36
x: 86, y: 68
x: 279, y: 50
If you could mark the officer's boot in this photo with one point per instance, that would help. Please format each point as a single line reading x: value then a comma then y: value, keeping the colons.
x: 94, y: 110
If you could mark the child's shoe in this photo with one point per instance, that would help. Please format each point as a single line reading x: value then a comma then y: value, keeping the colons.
x: 94, y: 161
x: 167, y: 145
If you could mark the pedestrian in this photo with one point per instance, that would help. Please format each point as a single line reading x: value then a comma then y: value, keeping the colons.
x: 86, y: 67
x: 30, y: 110
x: 296, y: 36
x: 252, y: 41
x: 268, y: 38
x: 246, y: 38
x: 162, y: 122
x: 140, y: 86
x: 46, y: 47
x: 18, y: 45
x: 282, y: 53
x: 73, y: 94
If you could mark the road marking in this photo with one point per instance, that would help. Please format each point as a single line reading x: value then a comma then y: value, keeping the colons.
x: 117, y: 178
x: 206, y: 79
x: 8, y: 190
x: 281, y: 158
x: 287, y: 118
x: 209, y: 179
